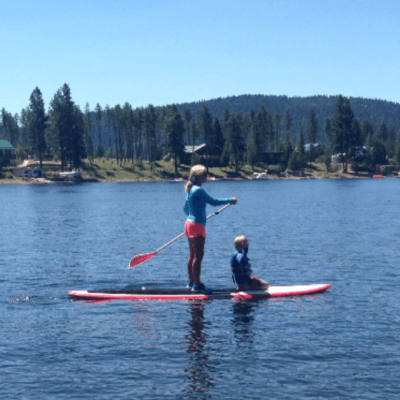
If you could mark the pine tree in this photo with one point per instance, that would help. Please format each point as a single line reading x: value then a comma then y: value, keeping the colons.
x: 23, y: 131
x: 88, y: 140
x: 99, y: 115
x: 301, y: 157
x: 38, y: 122
x: 62, y: 123
x: 235, y: 139
x: 138, y: 132
x: 312, y: 133
x: 216, y: 140
x: 261, y: 130
x: 379, y: 153
x: 205, y: 124
x: 128, y: 129
x: 341, y: 131
x: 277, y: 129
x: 251, y: 154
x: 174, y: 131
x: 366, y: 129
x: 293, y: 163
x: 369, y: 148
x: 287, y: 122
x: 356, y: 139
x: 225, y: 157
x: 382, y: 133
x: 149, y: 128
x: 328, y: 128
x: 194, y: 130
x: 287, y: 148
x: 391, y: 143
x: 187, y: 117
x: 77, y: 150
x: 117, y: 128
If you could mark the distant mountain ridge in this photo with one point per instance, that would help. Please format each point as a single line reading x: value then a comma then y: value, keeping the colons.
x: 364, y: 109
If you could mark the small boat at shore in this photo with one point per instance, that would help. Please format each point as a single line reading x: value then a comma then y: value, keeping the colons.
x: 72, y: 176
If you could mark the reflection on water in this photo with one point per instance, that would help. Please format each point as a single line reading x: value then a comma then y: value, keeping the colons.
x: 199, y: 370
x: 242, y: 321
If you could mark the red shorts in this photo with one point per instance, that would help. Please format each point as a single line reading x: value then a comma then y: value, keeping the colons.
x: 256, y: 283
x: 252, y: 282
x: 193, y: 230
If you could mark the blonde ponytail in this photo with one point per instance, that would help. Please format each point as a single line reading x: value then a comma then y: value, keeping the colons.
x: 195, y: 172
x: 188, y: 186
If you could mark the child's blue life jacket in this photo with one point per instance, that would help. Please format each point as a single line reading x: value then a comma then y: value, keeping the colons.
x: 241, y: 267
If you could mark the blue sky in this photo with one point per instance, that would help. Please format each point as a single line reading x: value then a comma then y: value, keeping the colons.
x: 162, y: 52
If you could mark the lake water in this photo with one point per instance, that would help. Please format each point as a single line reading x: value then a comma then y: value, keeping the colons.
x: 342, y: 344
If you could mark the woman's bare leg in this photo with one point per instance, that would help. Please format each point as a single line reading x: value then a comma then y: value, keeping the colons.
x: 196, y: 246
x: 190, y: 261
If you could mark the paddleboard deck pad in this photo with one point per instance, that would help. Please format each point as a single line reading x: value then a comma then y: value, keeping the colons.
x: 186, y: 294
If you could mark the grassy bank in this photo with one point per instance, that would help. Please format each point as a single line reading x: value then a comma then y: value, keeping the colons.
x: 103, y: 170
x: 109, y: 171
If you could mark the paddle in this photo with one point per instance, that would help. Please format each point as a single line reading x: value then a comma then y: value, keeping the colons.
x: 141, y: 258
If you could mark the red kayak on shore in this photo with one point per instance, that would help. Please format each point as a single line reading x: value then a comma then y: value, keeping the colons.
x: 186, y: 294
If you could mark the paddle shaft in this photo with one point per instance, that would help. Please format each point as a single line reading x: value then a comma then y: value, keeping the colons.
x: 139, y: 259
x: 183, y: 233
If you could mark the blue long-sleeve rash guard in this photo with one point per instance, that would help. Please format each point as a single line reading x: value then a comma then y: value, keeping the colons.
x: 241, y: 267
x: 195, y: 204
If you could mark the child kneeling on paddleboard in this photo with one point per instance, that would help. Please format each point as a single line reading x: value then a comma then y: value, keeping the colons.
x: 241, y: 268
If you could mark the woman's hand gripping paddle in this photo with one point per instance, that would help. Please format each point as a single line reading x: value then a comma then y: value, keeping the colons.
x: 141, y: 258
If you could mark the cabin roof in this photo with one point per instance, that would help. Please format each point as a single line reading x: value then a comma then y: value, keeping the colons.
x: 193, y: 149
x: 5, y: 144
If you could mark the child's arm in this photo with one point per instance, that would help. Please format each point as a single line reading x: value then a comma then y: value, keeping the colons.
x: 242, y: 257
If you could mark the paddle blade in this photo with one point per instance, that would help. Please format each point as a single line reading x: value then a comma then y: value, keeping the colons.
x: 140, y: 258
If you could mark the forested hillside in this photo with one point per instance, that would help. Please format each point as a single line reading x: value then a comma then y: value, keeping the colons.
x: 299, y: 108
x: 236, y: 129
x: 371, y: 110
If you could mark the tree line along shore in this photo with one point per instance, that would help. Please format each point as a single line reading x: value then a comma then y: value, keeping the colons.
x: 237, y: 145
x: 108, y: 170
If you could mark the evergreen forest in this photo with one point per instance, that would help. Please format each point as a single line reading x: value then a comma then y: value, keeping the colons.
x: 240, y: 129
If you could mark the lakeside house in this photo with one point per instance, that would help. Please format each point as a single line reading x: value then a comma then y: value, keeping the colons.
x: 201, y: 150
x: 7, y: 152
x: 25, y: 172
x: 270, y: 157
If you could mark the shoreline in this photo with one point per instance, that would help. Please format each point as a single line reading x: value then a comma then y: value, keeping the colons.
x: 44, y: 181
x: 108, y: 170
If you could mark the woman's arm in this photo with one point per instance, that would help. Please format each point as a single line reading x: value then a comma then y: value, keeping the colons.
x: 215, y: 202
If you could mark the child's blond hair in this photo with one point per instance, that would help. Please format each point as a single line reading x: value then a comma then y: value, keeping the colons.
x: 195, y: 172
x: 238, y: 242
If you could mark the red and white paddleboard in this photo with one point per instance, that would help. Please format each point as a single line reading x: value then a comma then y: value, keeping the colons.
x: 186, y: 294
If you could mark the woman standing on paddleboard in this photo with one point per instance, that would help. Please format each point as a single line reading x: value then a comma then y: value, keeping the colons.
x: 195, y: 225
